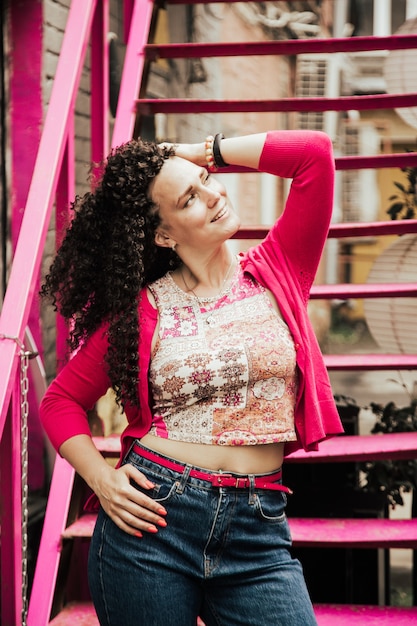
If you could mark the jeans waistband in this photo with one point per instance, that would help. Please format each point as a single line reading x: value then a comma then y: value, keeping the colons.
x: 217, y: 479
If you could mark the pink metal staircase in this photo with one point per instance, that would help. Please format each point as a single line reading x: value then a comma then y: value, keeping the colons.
x: 66, y: 531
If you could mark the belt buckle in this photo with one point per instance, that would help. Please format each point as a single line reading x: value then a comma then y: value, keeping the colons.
x: 228, y: 480
x: 218, y: 479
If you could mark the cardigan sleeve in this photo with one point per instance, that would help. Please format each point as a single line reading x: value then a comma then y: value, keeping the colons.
x: 83, y: 380
x: 301, y: 231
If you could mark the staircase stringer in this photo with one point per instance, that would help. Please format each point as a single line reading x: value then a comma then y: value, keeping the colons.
x: 142, y: 20
x: 23, y: 278
x: 134, y: 70
x: 56, y: 515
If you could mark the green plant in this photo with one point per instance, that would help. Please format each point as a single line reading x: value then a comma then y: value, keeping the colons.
x: 391, y: 478
x: 404, y: 205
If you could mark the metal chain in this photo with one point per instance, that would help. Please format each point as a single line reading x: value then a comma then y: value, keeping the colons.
x: 25, y: 355
x: 24, y: 409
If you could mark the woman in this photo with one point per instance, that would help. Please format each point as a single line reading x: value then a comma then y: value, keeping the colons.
x: 217, y: 367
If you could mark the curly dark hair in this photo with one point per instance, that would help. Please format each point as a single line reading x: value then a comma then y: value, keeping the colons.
x: 107, y: 255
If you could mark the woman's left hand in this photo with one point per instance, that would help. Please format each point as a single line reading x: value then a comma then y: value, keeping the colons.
x: 194, y: 152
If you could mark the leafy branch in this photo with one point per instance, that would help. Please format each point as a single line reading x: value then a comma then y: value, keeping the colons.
x: 391, y: 478
x: 404, y: 204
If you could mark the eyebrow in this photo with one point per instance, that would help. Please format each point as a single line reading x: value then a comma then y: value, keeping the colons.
x: 189, y: 189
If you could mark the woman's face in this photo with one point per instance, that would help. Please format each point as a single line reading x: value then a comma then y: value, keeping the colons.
x: 193, y: 207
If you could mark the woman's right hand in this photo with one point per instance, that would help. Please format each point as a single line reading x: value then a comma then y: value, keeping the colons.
x: 129, y: 508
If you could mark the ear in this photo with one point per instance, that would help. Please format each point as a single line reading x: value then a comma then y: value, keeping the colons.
x: 163, y: 240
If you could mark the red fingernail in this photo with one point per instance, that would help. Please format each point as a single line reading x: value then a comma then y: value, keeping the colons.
x: 152, y: 529
x: 138, y: 534
x: 149, y: 485
x: 162, y: 522
x: 161, y: 511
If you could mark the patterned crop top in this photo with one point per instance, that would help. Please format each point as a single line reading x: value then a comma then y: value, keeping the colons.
x: 224, y: 369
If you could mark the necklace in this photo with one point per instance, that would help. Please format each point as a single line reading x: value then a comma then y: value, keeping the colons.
x: 210, y: 319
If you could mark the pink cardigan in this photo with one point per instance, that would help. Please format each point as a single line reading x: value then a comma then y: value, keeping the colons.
x: 285, y: 262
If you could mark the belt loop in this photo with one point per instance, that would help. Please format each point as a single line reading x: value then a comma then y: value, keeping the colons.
x: 184, y: 478
x: 126, y: 456
x: 251, y: 500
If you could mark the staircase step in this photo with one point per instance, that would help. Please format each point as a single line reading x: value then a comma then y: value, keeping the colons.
x: 367, y: 290
x: 375, y: 362
x: 358, y: 448
x: 361, y: 615
x: 290, y: 47
x: 339, y: 449
x: 345, y: 229
x: 82, y: 527
x: 149, y: 106
x: 317, y: 532
x: 353, y: 533
x: 108, y: 446
x: 76, y: 614
x: 83, y: 614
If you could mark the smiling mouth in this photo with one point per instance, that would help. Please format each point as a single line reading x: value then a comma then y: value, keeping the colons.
x: 219, y: 215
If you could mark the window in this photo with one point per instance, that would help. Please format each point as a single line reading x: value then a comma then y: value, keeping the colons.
x: 369, y: 17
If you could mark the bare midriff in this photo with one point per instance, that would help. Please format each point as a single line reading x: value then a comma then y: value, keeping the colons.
x: 257, y: 459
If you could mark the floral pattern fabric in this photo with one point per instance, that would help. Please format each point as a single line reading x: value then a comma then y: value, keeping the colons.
x: 224, y: 369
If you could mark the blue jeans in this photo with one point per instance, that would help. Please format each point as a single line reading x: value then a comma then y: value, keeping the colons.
x: 224, y: 556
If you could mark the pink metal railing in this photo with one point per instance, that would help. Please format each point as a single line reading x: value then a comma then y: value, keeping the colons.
x: 49, y: 180
x: 138, y: 16
x: 141, y: 19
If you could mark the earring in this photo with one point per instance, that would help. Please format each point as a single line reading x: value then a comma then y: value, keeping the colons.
x: 173, y: 247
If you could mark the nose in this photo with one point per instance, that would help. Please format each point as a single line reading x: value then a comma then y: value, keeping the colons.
x: 212, y: 198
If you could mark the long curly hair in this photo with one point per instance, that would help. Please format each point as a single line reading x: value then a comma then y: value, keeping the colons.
x: 108, y: 255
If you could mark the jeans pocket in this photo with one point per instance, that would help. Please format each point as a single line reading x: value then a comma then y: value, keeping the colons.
x: 164, y: 489
x: 270, y: 506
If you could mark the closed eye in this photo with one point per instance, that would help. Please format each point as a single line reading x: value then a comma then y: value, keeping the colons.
x: 190, y: 199
x: 191, y: 194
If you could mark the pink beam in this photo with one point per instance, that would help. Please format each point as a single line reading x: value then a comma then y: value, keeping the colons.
x: 408, y: 159
x: 401, y: 159
x: 373, y: 229
x: 50, y: 547
x: 100, y: 84
x: 339, y: 231
x: 398, y: 290
x: 127, y: 18
x: 360, y: 614
x: 64, y: 195
x: 132, y: 71
x: 375, y: 362
x: 28, y: 255
x: 354, y: 533
x: 342, y: 103
x: 281, y: 47
x: 358, y: 448
x: 26, y: 116
x: 26, y: 113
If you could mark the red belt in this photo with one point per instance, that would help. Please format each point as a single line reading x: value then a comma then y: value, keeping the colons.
x: 216, y: 479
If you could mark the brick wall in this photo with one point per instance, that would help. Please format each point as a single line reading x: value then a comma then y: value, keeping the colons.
x: 55, y: 19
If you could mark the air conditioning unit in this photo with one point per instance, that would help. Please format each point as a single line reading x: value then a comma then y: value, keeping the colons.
x: 318, y: 76
x: 359, y: 188
x: 366, y: 74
